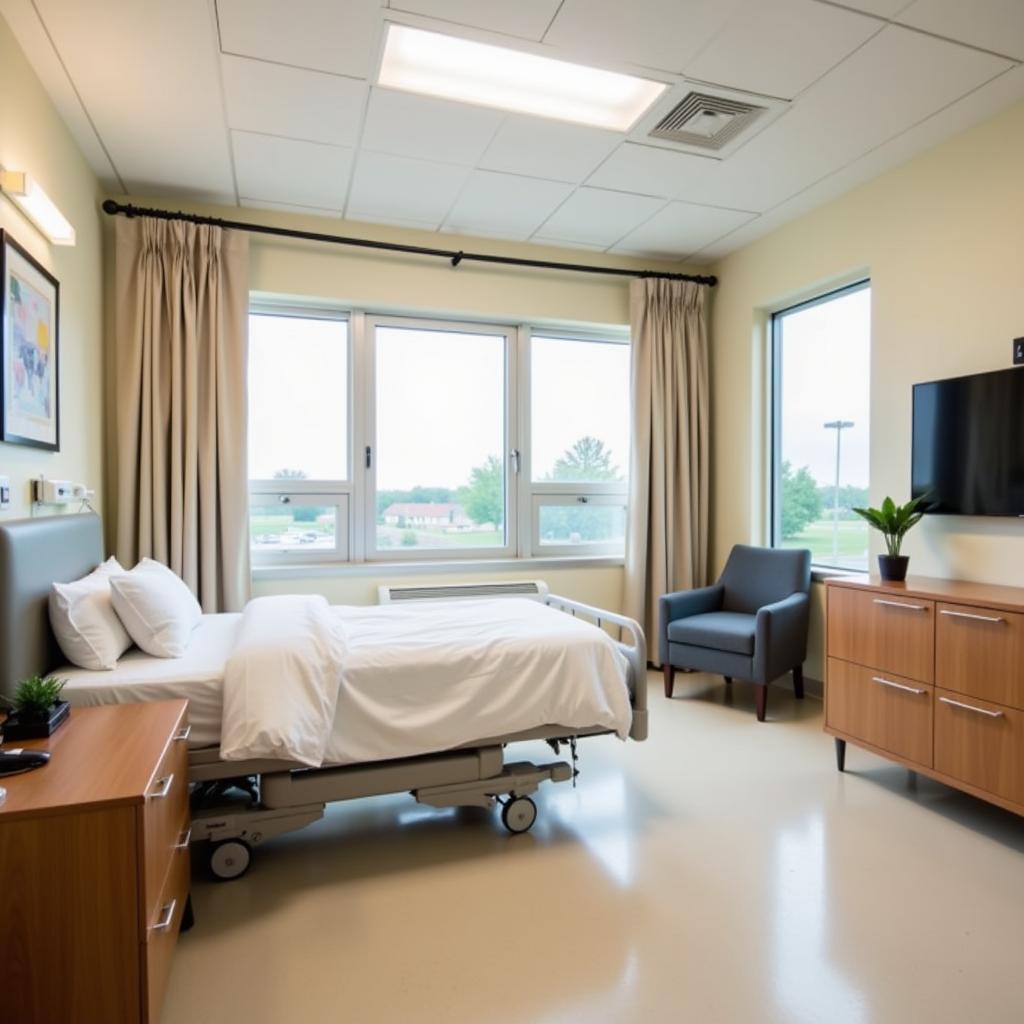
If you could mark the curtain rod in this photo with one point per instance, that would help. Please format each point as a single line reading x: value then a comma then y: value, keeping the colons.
x: 456, y: 257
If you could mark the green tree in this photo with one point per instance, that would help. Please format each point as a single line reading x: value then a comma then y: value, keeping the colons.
x: 587, y: 460
x: 484, y: 498
x: 801, y: 501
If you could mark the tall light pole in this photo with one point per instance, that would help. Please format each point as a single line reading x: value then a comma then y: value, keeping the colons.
x: 838, y: 426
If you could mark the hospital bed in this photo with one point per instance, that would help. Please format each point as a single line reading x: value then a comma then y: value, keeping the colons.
x: 238, y: 804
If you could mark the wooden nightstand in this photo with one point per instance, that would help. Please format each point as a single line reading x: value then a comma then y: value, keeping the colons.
x: 94, y: 867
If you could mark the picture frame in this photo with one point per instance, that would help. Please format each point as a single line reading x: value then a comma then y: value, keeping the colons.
x: 29, y: 349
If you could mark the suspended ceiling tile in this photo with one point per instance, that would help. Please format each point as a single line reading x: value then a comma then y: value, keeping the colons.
x: 550, y: 149
x: 149, y: 77
x: 279, y: 100
x: 663, y: 34
x: 324, y: 35
x: 289, y: 171
x: 996, y: 25
x: 652, y: 170
x: 312, y: 211
x: 427, y: 128
x: 504, y: 205
x: 681, y: 229
x: 779, y: 49
x: 527, y: 19
x: 397, y: 189
x: 894, y: 81
x: 595, y: 216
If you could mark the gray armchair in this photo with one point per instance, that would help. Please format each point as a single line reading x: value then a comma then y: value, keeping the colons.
x: 751, y: 624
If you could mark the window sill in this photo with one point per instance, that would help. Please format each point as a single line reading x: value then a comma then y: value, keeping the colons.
x: 466, y: 566
x: 821, y: 573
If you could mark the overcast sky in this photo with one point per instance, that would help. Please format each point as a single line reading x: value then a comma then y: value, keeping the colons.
x: 826, y: 377
x: 440, y: 401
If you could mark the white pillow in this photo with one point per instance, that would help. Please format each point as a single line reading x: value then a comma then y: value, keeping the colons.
x: 156, y: 607
x: 84, y: 621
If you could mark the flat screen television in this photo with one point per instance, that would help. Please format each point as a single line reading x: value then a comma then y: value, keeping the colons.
x: 968, y: 444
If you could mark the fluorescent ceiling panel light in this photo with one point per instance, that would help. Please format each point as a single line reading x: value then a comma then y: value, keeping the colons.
x: 38, y: 207
x: 493, y: 76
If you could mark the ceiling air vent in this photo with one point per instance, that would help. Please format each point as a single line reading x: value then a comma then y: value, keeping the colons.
x: 705, y: 121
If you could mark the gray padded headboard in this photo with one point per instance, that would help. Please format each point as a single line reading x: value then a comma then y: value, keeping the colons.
x: 34, y: 553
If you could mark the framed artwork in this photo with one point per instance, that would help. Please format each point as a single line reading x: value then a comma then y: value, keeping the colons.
x: 30, y: 321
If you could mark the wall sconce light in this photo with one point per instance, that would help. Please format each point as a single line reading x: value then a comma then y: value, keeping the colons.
x: 37, y: 206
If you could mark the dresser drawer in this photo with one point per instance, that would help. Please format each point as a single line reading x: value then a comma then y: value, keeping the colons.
x: 162, y: 933
x: 889, y: 712
x: 893, y: 634
x: 165, y: 818
x: 980, y: 652
x: 980, y: 743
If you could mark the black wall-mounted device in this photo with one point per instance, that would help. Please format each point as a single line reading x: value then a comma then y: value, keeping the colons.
x: 1018, y: 351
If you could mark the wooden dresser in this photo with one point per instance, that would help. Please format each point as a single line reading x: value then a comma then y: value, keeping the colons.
x: 94, y: 868
x: 930, y: 673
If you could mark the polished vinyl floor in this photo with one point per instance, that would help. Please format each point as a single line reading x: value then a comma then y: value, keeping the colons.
x: 721, y: 872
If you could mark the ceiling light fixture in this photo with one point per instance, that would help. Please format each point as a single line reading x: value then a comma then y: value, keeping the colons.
x: 493, y: 76
x: 37, y: 206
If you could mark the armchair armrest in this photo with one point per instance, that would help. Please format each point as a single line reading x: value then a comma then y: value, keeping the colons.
x: 681, y: 605
x: 780, y: 637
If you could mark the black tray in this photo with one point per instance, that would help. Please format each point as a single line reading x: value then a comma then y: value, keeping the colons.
x: 36, y: 729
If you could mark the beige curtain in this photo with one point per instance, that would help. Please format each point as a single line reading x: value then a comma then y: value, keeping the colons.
x: 181, y: 294
x: 668, y: 506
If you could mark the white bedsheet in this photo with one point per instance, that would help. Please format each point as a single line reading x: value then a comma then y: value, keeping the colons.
x: 416, y: 678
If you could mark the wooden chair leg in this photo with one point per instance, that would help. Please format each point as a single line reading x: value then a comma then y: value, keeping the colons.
x: 798, y: 682
x: 670, y: 678
x: 762, y: 701
x: 728, y: 679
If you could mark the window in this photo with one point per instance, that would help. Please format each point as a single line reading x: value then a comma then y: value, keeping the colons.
x: 299, y: 428
x: 392, y: 438
x: 821, y: 354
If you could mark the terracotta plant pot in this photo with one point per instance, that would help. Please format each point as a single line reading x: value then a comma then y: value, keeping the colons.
x: 893, y: 568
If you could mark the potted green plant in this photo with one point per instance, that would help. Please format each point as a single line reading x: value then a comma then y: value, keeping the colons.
x: 893, y: 522
x: 37, y: 709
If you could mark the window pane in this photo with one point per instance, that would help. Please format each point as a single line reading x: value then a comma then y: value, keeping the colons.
x: 298, y: 398
x: 565, y: 525
x: 579, y: 403
x: 284, y: 528
x: 821, y: 473
x: 440, y: 439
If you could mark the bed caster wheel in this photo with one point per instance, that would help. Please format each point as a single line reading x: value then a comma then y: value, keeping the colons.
x: 519, y: 814
x: 229, y: 859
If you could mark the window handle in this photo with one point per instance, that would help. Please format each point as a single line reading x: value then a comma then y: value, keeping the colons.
x: 369, y: 456
x: 285, y: 499
x: 514, y: 456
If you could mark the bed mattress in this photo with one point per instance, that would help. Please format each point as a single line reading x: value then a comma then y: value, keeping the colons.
x: 415, y: 679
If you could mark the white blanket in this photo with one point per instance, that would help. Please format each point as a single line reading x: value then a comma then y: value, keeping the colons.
x: 352, y: 684
x: 281, y: 681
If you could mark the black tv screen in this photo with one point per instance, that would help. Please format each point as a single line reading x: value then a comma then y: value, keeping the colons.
x: 968, y: 444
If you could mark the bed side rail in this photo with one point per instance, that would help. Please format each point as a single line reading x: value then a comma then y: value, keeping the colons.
x: 632, y: 644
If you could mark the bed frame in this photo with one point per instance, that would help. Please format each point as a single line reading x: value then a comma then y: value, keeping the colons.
x: 240, y: 804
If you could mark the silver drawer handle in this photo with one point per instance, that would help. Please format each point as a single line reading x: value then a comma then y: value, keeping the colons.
x: 971, y: 707
x: 166, y: 917
x: 896, y: 686
x: 977, y: 618
x: 183, y: 734
x: 163, y: 787
x: 183, y: 840
x: 901, y: 604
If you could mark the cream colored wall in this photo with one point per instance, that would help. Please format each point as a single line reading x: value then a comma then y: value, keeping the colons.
x: 33, y: 138
x: 941, y: 239
x: 391, y: 282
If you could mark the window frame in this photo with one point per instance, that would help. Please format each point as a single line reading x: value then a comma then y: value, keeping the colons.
x: 339, y: 493
x: 775, y: 409
x: 523, y: 496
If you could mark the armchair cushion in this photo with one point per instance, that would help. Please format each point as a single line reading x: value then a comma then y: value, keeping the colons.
x: 681, y: 604
x: 721, y: 631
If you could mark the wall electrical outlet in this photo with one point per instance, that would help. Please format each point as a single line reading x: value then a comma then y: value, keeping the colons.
x: 1018, y: 351
x: 5, y: 493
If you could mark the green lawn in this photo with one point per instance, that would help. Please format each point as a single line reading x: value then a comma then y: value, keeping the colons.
x: 852, y: 543
x: 435, y: 537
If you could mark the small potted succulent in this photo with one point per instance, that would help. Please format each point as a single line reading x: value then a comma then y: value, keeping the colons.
x: 893, y: 522
x: 37, y: 709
